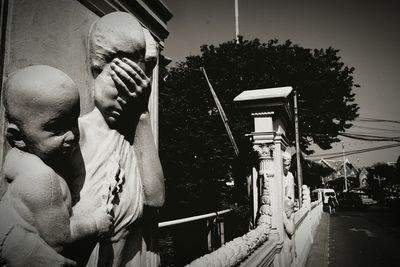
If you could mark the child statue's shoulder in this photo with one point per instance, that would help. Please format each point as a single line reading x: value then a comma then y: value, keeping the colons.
x: 20, y: 164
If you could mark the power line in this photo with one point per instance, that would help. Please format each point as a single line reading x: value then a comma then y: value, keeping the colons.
x: 359, y: 119
x: 359, y: 152
x: 375, y: 120
x: 367, y: 137
x: 377, y: 129
x: 376, y: 133
x: 351, y: 152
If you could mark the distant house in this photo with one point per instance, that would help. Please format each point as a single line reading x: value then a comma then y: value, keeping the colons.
x: 362, y: 177
x: 340, y: 171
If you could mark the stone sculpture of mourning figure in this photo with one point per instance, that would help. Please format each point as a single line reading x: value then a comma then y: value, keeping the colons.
x: 36, y: 218
x: 116, y: 162
x: 119, y: 129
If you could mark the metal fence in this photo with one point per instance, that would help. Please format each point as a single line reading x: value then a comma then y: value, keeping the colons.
x: 183, y: 240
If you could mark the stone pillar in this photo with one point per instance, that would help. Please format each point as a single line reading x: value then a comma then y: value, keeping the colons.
x: 272, y: 119
x: 265, y: 175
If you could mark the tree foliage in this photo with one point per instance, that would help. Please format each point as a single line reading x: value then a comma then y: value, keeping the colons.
x: 384, y: 171
x: 194, y: 146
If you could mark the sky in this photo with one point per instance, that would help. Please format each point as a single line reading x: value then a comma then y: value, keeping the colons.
x: 366, y: 33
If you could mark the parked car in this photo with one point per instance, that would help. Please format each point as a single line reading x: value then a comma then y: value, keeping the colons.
x: 367, y: 200
x: 350, y: 200
x: 355, y: 199
x: 325, y: 194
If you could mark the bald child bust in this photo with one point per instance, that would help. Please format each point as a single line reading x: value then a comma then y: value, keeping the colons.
x: 42, y: 110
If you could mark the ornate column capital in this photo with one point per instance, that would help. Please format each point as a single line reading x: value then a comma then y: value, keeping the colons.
x: 266, y: 155
x: 264, y: 150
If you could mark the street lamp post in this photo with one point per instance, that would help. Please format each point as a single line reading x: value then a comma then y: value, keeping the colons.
x: 237, y: 21
x: 344, y: 168
x: 298, y: 153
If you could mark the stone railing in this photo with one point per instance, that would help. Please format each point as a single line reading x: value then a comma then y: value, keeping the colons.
x: 212, y: 219
x: 235, y: 251
x: 306, y: 220
x: 282, y: 237
x: 259, y: 248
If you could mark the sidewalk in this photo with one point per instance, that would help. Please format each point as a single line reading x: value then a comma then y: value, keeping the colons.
x: 319, y: 253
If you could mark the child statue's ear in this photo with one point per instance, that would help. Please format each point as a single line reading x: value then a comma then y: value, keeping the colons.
x: 14, y: 136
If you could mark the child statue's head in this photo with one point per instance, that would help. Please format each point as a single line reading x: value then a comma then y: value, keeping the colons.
x: 42, y: 110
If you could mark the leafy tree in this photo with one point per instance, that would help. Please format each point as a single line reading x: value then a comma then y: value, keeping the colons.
x: 381, y: 177
x: 194, y: 147
x: 384, y: 171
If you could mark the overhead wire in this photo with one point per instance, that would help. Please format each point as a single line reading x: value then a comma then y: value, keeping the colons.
x: 383, y: 135
x: 350, y: 152
x: 368, y: 137
x: 375, y: 120
x: 376, y: 128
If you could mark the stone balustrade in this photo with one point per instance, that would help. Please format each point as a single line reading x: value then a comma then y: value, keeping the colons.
x: 258, y: 248
x: 306, y: 221
x: 281, y: 237
x: 233, y: 252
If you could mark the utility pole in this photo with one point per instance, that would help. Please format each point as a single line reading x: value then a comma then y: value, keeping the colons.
x: 298, y: 152
x: 344, y: 168
x: 237, y: 20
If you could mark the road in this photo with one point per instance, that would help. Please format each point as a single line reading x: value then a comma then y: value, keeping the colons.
x: 369, y: 237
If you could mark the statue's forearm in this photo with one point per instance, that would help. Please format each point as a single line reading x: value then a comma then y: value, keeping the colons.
x: 81, y: 227
x: 153, y: 178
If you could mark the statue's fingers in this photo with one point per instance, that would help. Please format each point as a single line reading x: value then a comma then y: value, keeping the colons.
x: 128, y: 73
x: 129, y: 85
x: 121, y: 86
x: 128, y: 77
x: 135, y: 67
x: 142, y: 82
x: 128, y: 69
